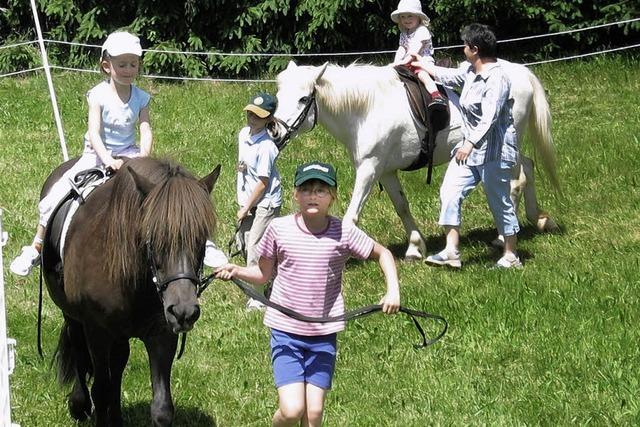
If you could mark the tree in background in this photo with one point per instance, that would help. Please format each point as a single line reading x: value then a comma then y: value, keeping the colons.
x: 303, y: 26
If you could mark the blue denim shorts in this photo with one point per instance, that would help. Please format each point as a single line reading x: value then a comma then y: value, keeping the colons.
x: 303, y: 359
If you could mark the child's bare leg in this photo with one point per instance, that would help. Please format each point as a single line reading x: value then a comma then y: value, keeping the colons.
x: 292, y: 405
x: 428, y: 82
x: 38, y: 240
x: 315, y: 406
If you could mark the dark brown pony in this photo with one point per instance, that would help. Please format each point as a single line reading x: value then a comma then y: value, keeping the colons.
x: 151, y: 219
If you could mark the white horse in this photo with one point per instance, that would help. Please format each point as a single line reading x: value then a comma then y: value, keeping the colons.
x: 365, y: 107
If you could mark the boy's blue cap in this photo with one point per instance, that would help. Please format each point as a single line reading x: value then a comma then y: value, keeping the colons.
x: 262, y: 105
x: 316, y: 170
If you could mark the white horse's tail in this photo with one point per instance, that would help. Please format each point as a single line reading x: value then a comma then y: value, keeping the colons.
x: 540, y: 128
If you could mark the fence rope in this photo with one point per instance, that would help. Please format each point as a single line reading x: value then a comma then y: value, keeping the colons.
x: 8, y: 46
x: 21, y: 71
x: 379, y: 52
x: 336, y: 54
x: 584, y: 55
x: 211, y: 79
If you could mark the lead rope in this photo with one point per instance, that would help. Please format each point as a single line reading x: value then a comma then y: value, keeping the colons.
x: 349, y: 315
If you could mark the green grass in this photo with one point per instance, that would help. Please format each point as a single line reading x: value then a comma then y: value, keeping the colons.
x: 553, y: 344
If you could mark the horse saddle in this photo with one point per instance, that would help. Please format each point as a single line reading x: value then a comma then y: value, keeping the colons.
x: 82, y: 185
x: 432, y: 116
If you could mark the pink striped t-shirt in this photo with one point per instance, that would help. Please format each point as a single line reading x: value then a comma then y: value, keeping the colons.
x: 309, y: 271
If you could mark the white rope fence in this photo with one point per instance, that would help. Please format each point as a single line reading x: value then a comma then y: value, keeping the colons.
x: 7, y: 345
x: 335, y: 54
x: 363, y: 53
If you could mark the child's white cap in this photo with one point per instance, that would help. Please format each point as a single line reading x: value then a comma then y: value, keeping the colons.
x: 120, y: 43
x: 408, y: 6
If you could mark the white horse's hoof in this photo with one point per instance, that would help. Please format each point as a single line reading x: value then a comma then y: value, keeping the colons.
x: 546, y: 223
x: 412, y: 254
x: 416, y: 247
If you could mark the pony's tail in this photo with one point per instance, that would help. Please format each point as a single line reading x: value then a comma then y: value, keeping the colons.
x: 72, y: 355
x: 540, y: 126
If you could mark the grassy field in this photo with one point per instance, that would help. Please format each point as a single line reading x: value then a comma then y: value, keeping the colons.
x: 553, y: 344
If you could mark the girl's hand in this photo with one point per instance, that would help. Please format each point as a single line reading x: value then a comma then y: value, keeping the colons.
x: 390, y: 303
x: 226, y: 272
x: 115, y: 164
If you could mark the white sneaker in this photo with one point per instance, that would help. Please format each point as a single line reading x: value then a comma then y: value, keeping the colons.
x: 214, y: 257
x: 509, y: 261
x: 254, y: 304
x: 445, y: 258
x: 24, y: 262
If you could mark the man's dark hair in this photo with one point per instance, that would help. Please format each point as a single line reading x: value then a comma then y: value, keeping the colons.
x: 482, y: 37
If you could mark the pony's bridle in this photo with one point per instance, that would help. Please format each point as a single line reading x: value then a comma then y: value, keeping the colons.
x: 163, y: 284
x: 292, y: 128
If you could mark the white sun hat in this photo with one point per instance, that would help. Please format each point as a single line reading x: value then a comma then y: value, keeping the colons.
x: 409, y: 6
x: 120, y: 43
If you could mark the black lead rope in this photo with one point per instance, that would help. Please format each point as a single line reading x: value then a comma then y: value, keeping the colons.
x: 40, y: 314
x: 349, y: 315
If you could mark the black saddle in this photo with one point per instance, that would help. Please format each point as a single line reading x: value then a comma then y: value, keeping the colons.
x: 53, y: 234
x: 434, y: 116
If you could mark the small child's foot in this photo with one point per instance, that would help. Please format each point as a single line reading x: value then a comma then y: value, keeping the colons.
x: 254, y: 305
x: 214, y: 257
x: 24, y: 262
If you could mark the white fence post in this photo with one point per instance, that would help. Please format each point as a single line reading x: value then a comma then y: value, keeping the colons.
x: 6, y: 345
x: 47, y: 72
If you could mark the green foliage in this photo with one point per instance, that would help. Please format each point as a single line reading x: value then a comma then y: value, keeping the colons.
x: 305, y: 26
x: 19, y: 58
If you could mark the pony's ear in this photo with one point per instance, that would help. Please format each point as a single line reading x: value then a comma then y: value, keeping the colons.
x: 210, y: 180
x: 323, y: 68
x: 291, y: 65
x: 144, y: 185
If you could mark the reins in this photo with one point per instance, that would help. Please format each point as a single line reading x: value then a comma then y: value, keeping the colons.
x: 251, y: 292
x: 293, y: 128
x: 161, y: 286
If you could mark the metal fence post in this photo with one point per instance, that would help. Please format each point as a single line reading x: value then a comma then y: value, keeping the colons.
x: 7, y: 345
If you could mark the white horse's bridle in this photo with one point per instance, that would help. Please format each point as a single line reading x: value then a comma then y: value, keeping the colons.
x: 292, y: 129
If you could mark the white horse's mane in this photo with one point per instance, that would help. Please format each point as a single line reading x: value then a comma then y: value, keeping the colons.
x: 355, y: 88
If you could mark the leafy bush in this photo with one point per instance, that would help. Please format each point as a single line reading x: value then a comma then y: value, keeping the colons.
x: 303, y: 26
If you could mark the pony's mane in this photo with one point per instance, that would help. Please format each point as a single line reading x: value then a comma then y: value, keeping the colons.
x: 177, y: 216
x: 355, y: 88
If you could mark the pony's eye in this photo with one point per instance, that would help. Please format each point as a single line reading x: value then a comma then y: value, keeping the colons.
x: 304, y: 100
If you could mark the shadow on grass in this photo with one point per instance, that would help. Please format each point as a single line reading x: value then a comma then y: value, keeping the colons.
x: 139, y: 414
x: 435, y: 243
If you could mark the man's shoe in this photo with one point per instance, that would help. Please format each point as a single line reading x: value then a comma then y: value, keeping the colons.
x: 445, y: 258
x: 24, y: 262
x: 509, y: 261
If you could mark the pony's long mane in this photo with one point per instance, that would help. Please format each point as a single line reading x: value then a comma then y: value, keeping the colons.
x: 355, y: 88
x: 177, y: 216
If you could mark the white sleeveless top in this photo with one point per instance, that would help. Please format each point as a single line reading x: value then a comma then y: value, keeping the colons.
x: 119, y: 119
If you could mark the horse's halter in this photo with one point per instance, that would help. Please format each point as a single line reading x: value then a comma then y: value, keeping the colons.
x: 162, y: 285
x: 292, y: 129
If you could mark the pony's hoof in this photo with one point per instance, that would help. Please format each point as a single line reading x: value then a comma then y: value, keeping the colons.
x: 78, y: 410
x: 546, y: 223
